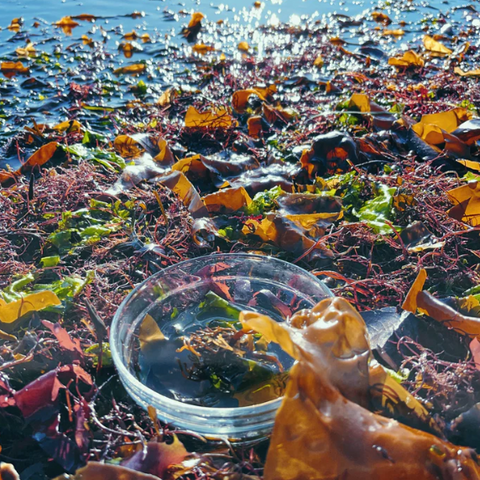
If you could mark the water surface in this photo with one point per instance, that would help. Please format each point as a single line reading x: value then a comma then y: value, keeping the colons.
x: 90, y: 54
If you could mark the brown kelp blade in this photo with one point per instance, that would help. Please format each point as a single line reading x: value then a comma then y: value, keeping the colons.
x: 322, y: 430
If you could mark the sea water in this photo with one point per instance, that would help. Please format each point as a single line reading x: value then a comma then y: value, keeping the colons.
x: 232, y: 369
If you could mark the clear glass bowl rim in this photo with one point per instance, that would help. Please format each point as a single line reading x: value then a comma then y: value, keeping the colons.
x: 188, y: 409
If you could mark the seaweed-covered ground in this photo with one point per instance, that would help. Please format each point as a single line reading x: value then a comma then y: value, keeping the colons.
x: 345, y: 144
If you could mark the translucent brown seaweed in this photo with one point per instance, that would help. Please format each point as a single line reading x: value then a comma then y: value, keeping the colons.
x: 323, y: 429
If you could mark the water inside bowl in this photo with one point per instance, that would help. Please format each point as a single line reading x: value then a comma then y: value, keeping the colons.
x: 189, y: 346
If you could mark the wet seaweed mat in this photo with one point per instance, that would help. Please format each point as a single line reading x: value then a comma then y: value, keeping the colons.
x: 347, y: 145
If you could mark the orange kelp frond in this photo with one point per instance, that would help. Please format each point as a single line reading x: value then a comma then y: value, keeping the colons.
x: 321, y: 431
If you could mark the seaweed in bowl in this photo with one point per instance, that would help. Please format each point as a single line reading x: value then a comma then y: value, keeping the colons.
x: 206, y: 358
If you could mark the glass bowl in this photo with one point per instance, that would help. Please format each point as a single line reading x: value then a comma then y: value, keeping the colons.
x: 241, y: 277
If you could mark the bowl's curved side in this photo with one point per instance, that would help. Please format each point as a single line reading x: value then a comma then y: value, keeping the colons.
x: 238, y: 423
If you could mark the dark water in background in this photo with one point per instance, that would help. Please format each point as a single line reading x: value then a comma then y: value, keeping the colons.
x: 157, y: 12
x: 62, y: 58
x: 52, y: 10
x: 167, y: 16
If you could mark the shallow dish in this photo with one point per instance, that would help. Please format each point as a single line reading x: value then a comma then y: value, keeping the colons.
x: 245, y: 279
